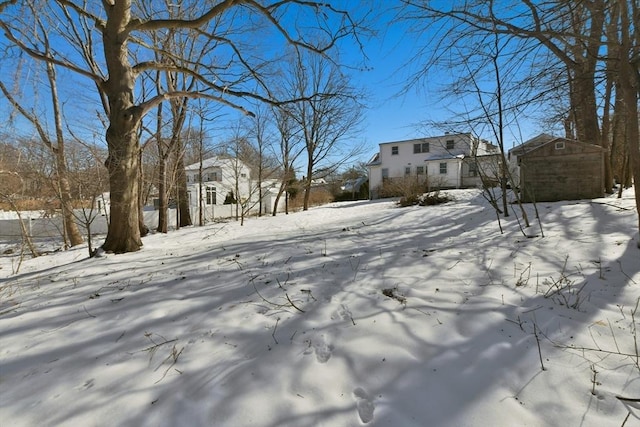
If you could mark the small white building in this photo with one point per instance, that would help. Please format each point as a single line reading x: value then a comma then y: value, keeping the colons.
x: 446, y: 161
x: 220, y: 179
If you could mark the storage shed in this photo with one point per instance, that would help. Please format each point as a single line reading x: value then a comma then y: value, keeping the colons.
x: 552, y: 169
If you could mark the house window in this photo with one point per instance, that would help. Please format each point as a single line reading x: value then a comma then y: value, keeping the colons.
x: 407, y: 170
x: 560, y: 145
x: 419, y: 170
x: 215, y: 177
x: 243, y: 175
x: 451, y: 144
x: 443, y: 168
x: 421, y: 148
x: 473, y: 169
x: 211, y: 195
x: 385, y: 173
x: 394, y: 150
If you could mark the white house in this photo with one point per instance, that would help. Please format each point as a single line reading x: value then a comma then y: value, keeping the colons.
x: 222, y: 179
x: 446, y: 161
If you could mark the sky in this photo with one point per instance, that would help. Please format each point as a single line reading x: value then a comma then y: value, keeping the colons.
x: 398, y: 111
x: 391, y: 114
x: 349, y: 314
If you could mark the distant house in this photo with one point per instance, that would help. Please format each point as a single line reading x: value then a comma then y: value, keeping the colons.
x: 549, y: 168
x: 226, y: 184
x: 223, y: 181
x: 353, y: 185
x: 446, y: 161
x: 354, y: 189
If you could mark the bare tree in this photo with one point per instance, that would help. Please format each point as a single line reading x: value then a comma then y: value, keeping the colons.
x: 629, y: 87
x: 10, y: 186
x: 572, y: 36
x: 288, y: 150
x: 55, y: 144
x: 91, y: 181
x: 258, y: 156
x: 328, y: 115
x: 120, y: 27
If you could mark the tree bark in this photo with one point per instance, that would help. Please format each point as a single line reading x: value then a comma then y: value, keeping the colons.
x: 181, y: 182
x: 122, y: 135
x: 630, y: 88
x: 307, y: 181
x: 70, y: 225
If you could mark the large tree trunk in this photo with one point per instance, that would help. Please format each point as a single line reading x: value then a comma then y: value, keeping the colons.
x: 122, y: 136
x: 585, y: 108
x: 124, y: 230
x: 183, y: 194
x: 630, y: 88
x: 307, y: 184
x: 163, y: 221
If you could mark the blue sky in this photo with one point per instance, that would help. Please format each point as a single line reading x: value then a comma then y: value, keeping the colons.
x: 391, y: 114
x: 396, y: 114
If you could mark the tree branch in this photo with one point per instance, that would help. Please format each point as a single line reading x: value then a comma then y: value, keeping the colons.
x: 157, y: 24
x: 43, y: 57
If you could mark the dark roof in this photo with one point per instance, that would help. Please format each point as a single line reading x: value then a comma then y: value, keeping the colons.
x: 532, y: 144
x: 542, y: 140
x: 375, y: 160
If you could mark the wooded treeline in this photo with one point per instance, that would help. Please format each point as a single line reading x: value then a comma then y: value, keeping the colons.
x: 153, y: 78
x: 148, y: 62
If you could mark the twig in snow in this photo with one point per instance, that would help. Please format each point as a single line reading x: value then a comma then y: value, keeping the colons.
x: 626, y: 275
x: 594, y: 380
x: 152, y: 349
x: 89, y: 314
x: 292, y: 304
x: 519, y: 323
x: 273, y: 334
x: 634, y: 332
x: 174, y: 356
x: 535, y: 333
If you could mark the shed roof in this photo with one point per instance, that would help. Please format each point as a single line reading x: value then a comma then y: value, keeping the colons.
x: 542, y: 140
x: 531, y: 144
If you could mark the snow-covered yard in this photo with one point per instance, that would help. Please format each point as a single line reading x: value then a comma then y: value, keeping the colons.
x: 349, y: 314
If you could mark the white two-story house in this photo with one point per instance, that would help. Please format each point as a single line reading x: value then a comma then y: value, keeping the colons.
x: 446, y: 161
x: 220, y: 179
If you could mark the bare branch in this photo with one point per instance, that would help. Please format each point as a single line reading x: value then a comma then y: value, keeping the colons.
x: 27, y: 115
x: 157, y: 24
x: 43, y: 57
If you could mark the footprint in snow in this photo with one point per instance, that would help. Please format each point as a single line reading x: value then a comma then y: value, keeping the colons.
x: 364, y: 405
x: 321, y: 348
x: 342, y: 313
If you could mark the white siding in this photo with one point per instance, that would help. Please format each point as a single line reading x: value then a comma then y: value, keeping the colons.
x: 396, y: 157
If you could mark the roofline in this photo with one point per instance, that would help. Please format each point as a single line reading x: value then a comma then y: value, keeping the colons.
x: 522, y: 148
x: 429, y: 137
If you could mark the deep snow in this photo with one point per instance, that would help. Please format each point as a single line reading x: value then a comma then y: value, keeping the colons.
x: 348, y: 314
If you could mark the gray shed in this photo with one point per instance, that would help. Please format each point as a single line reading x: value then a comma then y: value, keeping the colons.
x: 552, y: 169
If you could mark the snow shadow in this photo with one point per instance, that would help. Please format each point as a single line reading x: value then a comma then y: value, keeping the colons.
x: 248, y: 329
